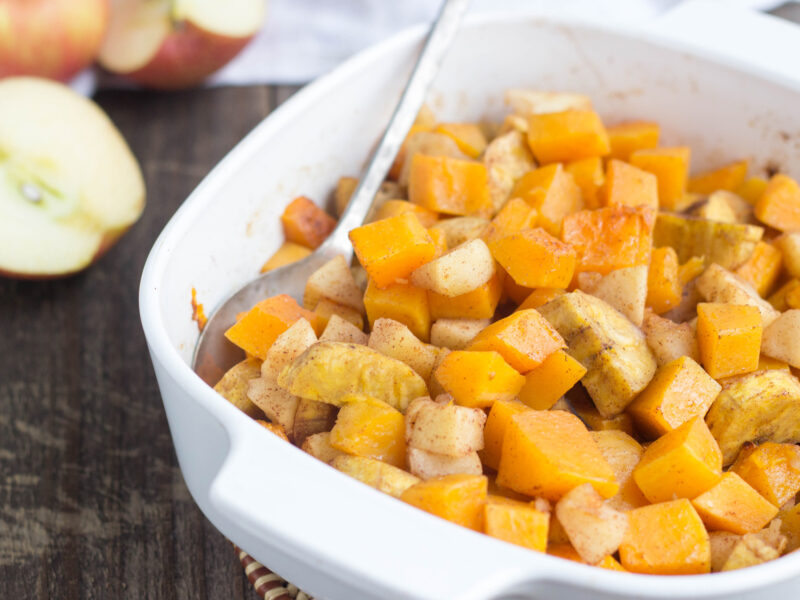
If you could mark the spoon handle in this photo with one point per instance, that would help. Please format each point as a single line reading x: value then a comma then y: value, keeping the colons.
x: 430, y: 59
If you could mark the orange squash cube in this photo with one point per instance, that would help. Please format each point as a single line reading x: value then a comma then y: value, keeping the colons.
x: 763, y: 268
x: 495, y: 429
x: 524, y: 339
x: 680, y: 390
x: 517, y: 293
x: 534, y: 258
x: 261, y: 325
x: 729, y: 338
x: 515, y: 216
x: 480, y: 303
x: 288, y: 253
x: 393, y: 208
x: 690, y: 269
x: 589, y: 177
x: 401, y: 302
x: 732, y: 505
x: 664, y: 288
x: 627, y: 138
x: 583, y: 406
x: 626, y: 185
x: 540, y: 297
x: 456, y: 498
x: 449, y: 185
x: 565, y: 136
x: 545, y: 384
x: 372, y: 429
x: 752, y: 189
x: 305, y: 223
x: 468, y: 137
x: 666, y: 539
x: 610, y: 238
x: 552, y: 192
x: 779, y: 205
x: 478, y: 379
x: 517, y: 523
x: 729, y: 177
x: 392, y: 248
x: 547, y: 453
x: 671, y: 167
x: 683, y: 463
x: 773, y: 470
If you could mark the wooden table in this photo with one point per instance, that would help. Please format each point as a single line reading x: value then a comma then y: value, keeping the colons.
x: 92, y: 503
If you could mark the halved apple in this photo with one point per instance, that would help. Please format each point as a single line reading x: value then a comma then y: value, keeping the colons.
x: 172, y: 44
x: 69, y: 184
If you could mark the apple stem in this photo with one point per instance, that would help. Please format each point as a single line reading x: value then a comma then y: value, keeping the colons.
x: 31, y: 192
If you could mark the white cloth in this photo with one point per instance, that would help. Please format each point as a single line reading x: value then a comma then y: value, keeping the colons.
x: 303, y: 39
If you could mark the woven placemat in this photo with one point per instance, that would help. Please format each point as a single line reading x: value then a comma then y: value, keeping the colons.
x: 268, y: 585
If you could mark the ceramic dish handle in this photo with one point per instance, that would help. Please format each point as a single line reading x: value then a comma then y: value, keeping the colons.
x: 734, y: 34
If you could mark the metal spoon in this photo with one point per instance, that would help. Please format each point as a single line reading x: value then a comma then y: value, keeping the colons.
x: 214, y: 353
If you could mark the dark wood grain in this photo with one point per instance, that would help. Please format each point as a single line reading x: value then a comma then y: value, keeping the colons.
x: 92, y: 504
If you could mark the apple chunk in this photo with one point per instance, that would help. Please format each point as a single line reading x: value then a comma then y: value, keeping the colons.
x: 69, y: 184
x: 171, y: 44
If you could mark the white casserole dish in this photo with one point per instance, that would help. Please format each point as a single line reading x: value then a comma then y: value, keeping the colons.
x: 724, y: 81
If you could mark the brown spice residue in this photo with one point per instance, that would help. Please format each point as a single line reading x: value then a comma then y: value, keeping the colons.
x: 198, y: 313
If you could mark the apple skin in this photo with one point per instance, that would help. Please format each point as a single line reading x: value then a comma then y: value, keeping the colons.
x: 186, y: 57
x: 51, y: 38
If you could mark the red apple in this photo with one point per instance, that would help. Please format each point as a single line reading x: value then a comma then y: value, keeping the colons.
x: 50, y: 38
x: 69, y: 184
x: 172, y: 44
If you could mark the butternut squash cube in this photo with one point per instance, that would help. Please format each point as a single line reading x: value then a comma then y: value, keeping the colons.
x: 534, y: 258
x: 515, y: 216
x: 517, y: 293
x: 623, y: 454
x: 517, y: 523
x: 568, y: 135
x: 683, y: 463
x: 626, y: 138
x: 773, y: 470
x: 524, y: 339
x: 305, y: 223
x: 729, y: 177
x: 495, y: 429
x: 729, y: 338
x: 552, y: 192
x: 626, y: 185
x: 671, y: 167
x: 545, y: 384
x: 478, y: 379
x: 589, y: 177
x: 540, y: 297
x: 468, y: 137
x: 401, y: 302
x: 257, y: 330
x: 547, y: 453
x: 288, y: 253
x: 610, y: 238
x: 480, y: 303
x: 732, y: 505
x: 392, y: 248
x: 779, y: 205
x: 379, y: 475
x: 372, y: 429
x: 664, y: 288
x: 594, y: 528
x: 583, y: 406
x: 763, y: 268
x: 666, y: 539
x: 680, y: 390
x: 424, y: 142
x: 449, y: 185
x: 752, y: 189
x: 457, y: 498
x: 392, y: 208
